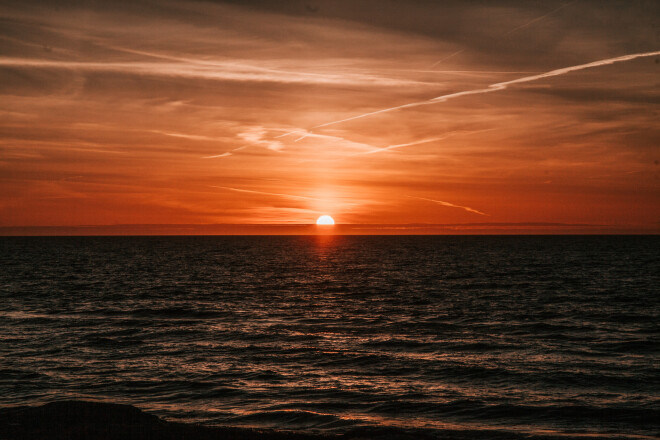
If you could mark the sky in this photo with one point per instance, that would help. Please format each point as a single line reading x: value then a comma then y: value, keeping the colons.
x: 499, y: 114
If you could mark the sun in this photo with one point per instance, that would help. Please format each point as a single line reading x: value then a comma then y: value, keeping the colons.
x: 325, y: 220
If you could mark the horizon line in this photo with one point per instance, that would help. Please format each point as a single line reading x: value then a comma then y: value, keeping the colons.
x: 265, y: 229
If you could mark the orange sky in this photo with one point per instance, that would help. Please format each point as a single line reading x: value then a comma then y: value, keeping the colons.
x: 176, y: 112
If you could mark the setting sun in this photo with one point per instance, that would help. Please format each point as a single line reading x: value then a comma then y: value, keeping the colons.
x: 325, y: 220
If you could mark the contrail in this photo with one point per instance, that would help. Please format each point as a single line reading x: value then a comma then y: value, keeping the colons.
x: 451, y: 205
x: 499, y: 86
x: 215, y: 156
x: 540, y: 18
x: 458, y: 52
x: 230, y: 152
x: 408, y: 144
x: 524, y: 25
x: 287, y: 196
x: 422, y: 141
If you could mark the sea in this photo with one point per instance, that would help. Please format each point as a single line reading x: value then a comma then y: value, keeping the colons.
x: 537, y: 336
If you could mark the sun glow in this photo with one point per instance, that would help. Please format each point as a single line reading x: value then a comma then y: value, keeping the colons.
x: 325, y: 220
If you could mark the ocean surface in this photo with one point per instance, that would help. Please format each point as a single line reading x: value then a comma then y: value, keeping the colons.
x: 546, y: 336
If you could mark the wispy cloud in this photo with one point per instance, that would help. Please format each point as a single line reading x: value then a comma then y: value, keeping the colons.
x: 451, y: 205
x: 214, y: 70
x: 257, y: 136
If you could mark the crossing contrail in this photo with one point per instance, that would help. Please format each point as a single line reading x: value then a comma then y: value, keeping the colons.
x: 498, y: 86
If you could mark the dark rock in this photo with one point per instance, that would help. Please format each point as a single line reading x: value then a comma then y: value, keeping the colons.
x: 79, y: 420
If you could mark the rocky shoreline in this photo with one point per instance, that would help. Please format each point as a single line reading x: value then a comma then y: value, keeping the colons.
x: 88, y: 420
x: 85, y: 420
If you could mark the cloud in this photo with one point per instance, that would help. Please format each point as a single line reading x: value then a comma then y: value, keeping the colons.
x: 256, y: 136
x: 213, y: 70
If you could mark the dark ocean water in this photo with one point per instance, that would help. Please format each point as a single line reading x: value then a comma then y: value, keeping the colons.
x: 540, y: 335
